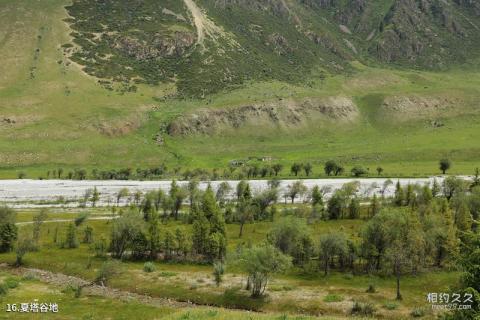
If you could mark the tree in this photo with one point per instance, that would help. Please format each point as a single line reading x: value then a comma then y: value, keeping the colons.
x: 24, y: 245
x: 331, y: 245
x: 122, y: 194
x: 88, y: 235
x: 292, y: 237
x: 379, y: 171
x: 178, y: 195
x: 307, y: 167
x: 336, y: 206
x: 445, y: 165
x: 374, y: 206
x: 399, y: 197
x: 354, y: 208
x: 200, y: 233
x: 38, y: 220
x: 107, y: 271
x: 469, y: 261
x: 295, y: 189
x: 330, y: 167
x: 71, y: 241
x: 223, y: 191
x: 263, y: 200
x: 193, y: 192
x: 153, y: 233
x: 169, y: 244
x: 125, y: 230
x: 317, y: 197
x: 277, y: 168
x: 243, y: 190
x: 183, y: 245
x: 218, y: 271
x: 463, y: 218
x: 296, y: 168
x: 260, y: 263
x: 244, y: 213
x: 8, y: 229
x: 95, y: 196
x: 358, y: 171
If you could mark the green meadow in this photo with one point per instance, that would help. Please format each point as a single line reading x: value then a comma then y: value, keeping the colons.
x: 54, y: 115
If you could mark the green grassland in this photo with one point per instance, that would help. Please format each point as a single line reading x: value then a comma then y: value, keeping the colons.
x: 296, y: 292
x: 65, y: 118
x: 92, y: 307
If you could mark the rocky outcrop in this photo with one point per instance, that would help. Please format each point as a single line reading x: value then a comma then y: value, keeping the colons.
x: 414, y: 107
x: 174, y: 45
x: 285, y: 113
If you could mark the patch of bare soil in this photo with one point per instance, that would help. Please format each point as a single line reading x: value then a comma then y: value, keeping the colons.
x: 284, y: 113
x: 124, y: 126
x: 406, y: 108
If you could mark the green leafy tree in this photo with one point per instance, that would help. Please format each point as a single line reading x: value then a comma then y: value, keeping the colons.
x: 169, y: 244
x: 307, y: 167
x: 445, y: 165
x: 24, y: 245
x: 125, y: 230
x: 38, y: 221
x: 95, y: 196
x: 122, y: 194
x: 330, y: 167
x: 261, y: 263
x: 71, y: 241
x: 358, y: 171
x: 292, y: 237
x: 296, y: 189
x: 331, y: 245
x: 296, y: 168
x: 277, y: 168
x: 379, y: 171
x: 317, y: 196
x: 88, y: 235
x: 218, y: 272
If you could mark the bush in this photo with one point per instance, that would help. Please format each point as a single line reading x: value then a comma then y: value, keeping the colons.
x: 333, y: 298
x: 11, y: 283
x: 390, y: 305
x: 29, y: 277
x: 417, y: 312
x: 363, y: 309
x: 371, y: 288
x: 149, y: 267
x: 107, y: 271
x: 3, y: 289
x: 82, y: 217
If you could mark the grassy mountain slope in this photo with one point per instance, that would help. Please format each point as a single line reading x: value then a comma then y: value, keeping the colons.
x: 70, y: 97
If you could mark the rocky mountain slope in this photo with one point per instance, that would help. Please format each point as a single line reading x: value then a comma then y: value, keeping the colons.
x: 206, y: 45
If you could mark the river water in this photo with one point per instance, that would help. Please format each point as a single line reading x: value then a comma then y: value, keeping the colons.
x: 37, y: 193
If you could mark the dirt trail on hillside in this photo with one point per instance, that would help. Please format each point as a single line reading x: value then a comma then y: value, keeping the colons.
x: 206, y: 28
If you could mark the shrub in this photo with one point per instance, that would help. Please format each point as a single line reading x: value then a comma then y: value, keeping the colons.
x: 371, y: 288
x: 3, y: 289
x: 332, y: 298
x: 29, y: 277
x: 167, y: 274
x: 11, y: 283
x: 218, y: 271
x: 107, y: 271
x: 417, y: 312
x: 80, y: 219
x: 149, y: 267
x: 390, y: 305
x: 363, y: 309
